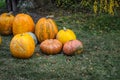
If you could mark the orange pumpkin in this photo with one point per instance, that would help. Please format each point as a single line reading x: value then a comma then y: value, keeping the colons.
x: 73, y: 47
x: 51, y: 46
x: 22, y: 46
x: 23, y: 23
x: 6, y: 22
x: 45, y: 29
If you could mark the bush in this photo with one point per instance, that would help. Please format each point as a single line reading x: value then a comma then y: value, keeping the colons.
x: 2, y: 3
x: 73, y: 5
x: 96, y: 6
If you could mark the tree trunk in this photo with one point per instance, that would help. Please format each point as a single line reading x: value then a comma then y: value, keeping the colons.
x: 14, y: 5
x: 8, y: 5
x: 11, y: 5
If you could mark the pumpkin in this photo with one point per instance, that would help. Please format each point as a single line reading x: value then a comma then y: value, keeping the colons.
x: 65, y: 35
x: 0, y: 40
x: 23, y: 23
x: 73, y: 47
x: 34, y: 37
x: 45, y: 29
x: 51, y: 46
x: 6, y: 22
x: 22, y: 46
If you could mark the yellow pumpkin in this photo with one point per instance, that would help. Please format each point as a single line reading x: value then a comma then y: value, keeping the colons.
x: 65, y: 35
x: 23, y: 23
x: 22, y: 45
x: 6, y: 22
x: 0, y: 40
x: 45, y: 29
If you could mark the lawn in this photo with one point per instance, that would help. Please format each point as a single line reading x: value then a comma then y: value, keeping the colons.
x: 99, y: 61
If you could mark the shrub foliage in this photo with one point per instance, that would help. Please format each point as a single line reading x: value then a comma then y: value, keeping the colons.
x: 96, y: 6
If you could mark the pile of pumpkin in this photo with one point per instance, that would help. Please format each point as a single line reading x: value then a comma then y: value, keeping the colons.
x: 27, y: 35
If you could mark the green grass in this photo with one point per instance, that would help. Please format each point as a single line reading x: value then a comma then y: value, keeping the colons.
x: 87, y: 22
x: 99, y: 60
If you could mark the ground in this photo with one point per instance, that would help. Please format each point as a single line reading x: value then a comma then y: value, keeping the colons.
x: 99, y: 60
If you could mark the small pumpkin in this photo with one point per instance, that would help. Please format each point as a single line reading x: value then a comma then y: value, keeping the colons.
x: 73, y: 47
x: 65, y: 35
x: 22, y: 46
x: 51, y: 46
x: 45, y: 28
x: 23, y: 23
x: 6, y: 22
x: 0, y: 39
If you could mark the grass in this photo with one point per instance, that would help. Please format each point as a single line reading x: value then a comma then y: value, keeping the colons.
x: 99, y: 60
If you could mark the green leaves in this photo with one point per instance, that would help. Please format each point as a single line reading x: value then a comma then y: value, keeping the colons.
x: 2, y: 3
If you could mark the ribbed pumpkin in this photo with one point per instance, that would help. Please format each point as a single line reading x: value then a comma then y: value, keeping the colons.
x: 22, y: 46
x: 23, y: 23
x: 6, y: 22
x: 51, y: 46
x: 73, y: 47
x: 65, y: 35
x: 45, y: 29
x: 0, y: 40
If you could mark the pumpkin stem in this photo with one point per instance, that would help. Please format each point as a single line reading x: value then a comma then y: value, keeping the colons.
x: 64, y: 28
x: 8, y: 14
x: 50, y: 16
x: 21, y: 34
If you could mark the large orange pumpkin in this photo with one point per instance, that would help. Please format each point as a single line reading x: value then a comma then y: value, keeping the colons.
x: 73, y: 47
x: 51, y: 46
x: 6, y: 22
x: 45, y: 29
x: 22, y: 46
x: 23, y: 23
